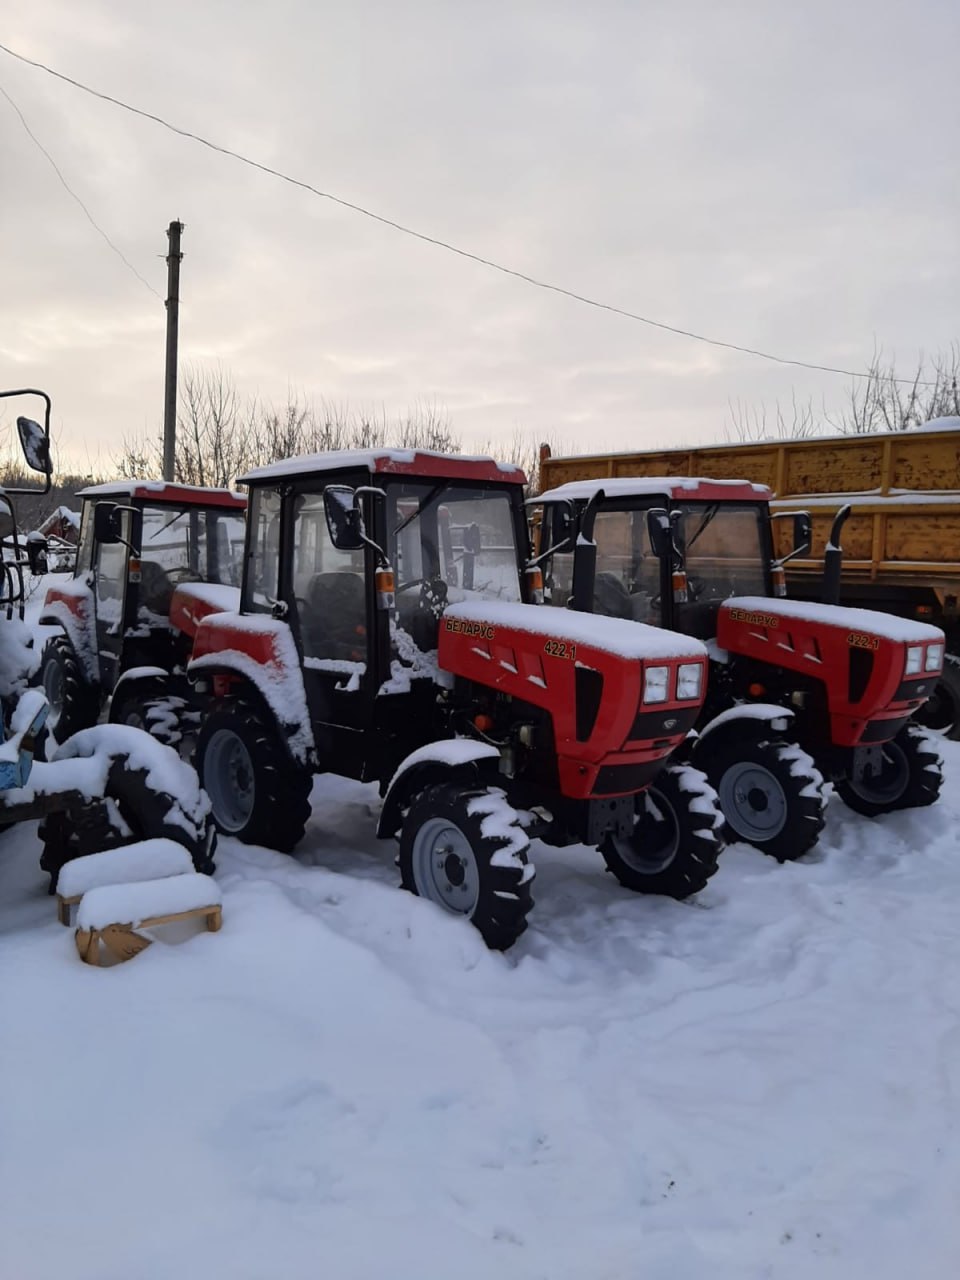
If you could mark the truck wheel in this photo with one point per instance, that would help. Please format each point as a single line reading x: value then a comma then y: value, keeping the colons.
x: 676, y: 842
x: 258, y: 793
x: 941, y: 711
x: 465, y: 851
x: 771, y: 794
x: 911, y: 775
x: 130, y: 809
x: 74, y: 702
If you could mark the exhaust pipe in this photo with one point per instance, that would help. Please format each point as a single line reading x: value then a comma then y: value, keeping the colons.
x: 833, y: 558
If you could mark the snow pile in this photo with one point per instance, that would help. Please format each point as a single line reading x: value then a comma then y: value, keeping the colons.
x: 131, y: 904
x: 130, y: 864
x: 758, y: 1084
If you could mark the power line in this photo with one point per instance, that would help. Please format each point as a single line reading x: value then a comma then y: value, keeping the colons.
x: 71, y: 192
x: 443, y: 244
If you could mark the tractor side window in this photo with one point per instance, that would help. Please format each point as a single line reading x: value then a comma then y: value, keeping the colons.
x: 111, y: 579
x: 330, y: 591
x: 170, y: 553
x: 263, y: 556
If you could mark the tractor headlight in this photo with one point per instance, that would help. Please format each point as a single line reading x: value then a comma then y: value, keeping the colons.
x: 689, y: 680
x: 934, y: 657
x: 655, y: 683
x: 914, y: 660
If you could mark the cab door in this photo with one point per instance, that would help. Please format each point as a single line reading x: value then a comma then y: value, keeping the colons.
x: 332, y: 594
x: 110, y: 585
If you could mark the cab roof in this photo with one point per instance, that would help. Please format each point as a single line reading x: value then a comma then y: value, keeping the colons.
x: 404, y: 462
x: 676, y: 488
x: 188, y: 495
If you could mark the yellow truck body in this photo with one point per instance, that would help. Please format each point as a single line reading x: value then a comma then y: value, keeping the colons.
x: 903, y: 534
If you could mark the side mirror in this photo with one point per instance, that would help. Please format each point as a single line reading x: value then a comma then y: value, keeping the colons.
x: 35, y: 445
x: 802, y: 531
x: 344, y: 521
x: 37, y: 553
x: 660, y: 532
x: 107, y: 523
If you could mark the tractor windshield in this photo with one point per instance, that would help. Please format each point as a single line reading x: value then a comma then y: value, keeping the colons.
x: 449, y: 543
x: 724, y: 555
x: 187, y: 544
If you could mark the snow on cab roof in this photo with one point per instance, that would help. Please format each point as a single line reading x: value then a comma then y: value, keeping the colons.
x: 412, y: 462
x: 675, y: 487
x: 161, y: 491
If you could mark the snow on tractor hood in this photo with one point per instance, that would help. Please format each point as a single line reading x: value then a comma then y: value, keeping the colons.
x: 194, y: 601
x: 865, y: 621
x: 619, y: 636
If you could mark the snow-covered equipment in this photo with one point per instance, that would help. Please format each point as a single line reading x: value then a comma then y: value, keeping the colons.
x: 901, y: 540
x: 117, y: 915
x: 120, y: 639
x: 108, y: 786
x: 799, y: 692
x: 387, y: 632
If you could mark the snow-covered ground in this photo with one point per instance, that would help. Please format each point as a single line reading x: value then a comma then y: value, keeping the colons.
x: 759, y: 1083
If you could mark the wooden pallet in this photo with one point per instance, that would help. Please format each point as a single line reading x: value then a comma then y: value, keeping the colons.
x: 122, y: 941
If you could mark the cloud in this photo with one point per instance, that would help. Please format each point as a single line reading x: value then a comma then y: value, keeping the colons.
x: 779, y: 177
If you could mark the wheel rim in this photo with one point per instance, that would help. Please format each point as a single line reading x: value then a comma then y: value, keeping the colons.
x: 228, y: 780
x: 753, y: 801
x: 655, y: 839
x: 53, y: 690
x: 893, y: 780
x: 445, y: 867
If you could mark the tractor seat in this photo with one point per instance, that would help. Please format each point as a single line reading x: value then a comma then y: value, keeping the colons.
x: 156, y: 589
x: 611, y: 597
x: 335, y: 617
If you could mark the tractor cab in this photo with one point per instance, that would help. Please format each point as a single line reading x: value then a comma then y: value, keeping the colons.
x: 139, y: 541
x: 721, y: 547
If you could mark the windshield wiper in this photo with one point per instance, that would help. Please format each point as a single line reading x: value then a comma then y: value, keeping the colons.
x: 428, y: 501
x: 707, y: 517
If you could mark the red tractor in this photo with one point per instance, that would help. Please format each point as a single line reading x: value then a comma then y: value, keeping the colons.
x: 798, y: 692
x: 119, y: 640
x: 484, y: 718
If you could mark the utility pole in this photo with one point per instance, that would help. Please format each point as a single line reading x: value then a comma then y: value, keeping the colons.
x: 173, y: 325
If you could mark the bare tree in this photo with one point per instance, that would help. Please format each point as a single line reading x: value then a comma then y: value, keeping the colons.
x: 750, y: 422
x: 219, y: 436
x: 885, y: 402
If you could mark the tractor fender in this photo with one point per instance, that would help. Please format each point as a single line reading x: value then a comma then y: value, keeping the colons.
x: 295, y: 735
x: 134, y: 674
x: 260, y: 652
x: 747, y: 720
x: 71, y: 609
x: 459, y: 759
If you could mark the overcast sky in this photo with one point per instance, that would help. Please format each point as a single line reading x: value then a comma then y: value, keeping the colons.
x: 781, y: 176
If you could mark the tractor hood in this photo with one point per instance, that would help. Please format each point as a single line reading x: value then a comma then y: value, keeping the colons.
x: 876, y: 669
x: 621, y: 695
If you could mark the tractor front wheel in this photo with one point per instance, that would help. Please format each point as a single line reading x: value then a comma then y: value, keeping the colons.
x: 74, y: 701
x: 465, y: 851
x: 676, y: 842
x: 910, y: 776
x: 770, y: 791
x: 257, y: 792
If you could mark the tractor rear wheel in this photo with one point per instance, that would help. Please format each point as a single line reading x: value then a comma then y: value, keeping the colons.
x: 941, y: 711
x: 770, y: 791
x: 74, y: 701
x: 465, y: 851
x: 143, y: 705
x: 130, y: 809
x: 258, y: 793
x: 676, y: 842
x: 911, y: 775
